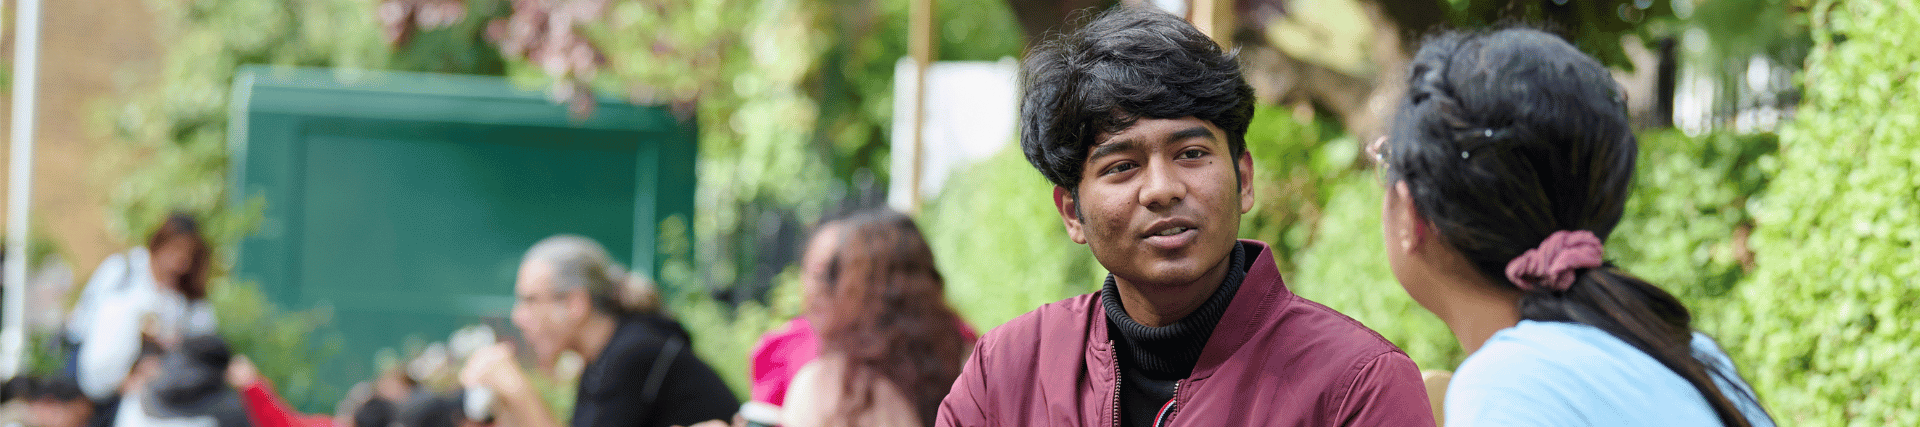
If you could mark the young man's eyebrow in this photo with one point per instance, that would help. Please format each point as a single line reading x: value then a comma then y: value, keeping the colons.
x: 1192, y: 132
x: 1119, y: 145
x: 1113, y: 146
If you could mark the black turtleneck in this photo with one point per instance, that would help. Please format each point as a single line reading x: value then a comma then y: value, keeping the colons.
x: 1153, y: 359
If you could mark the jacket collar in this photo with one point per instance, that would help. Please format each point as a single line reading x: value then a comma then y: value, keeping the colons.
x: 1262, y: 294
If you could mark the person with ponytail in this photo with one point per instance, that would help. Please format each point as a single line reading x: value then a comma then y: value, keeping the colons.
x: 1507, y: 167
x: 640, y: 365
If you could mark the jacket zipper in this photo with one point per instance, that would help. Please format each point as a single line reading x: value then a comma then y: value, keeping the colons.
x: 1116, y: 385
x: 1172, y: 407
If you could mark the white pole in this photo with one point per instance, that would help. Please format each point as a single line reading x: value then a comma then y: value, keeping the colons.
x: 26, y: 67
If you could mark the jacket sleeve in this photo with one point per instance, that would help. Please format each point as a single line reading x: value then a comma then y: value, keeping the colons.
x: 111, y: 348
x: 266, y: 409
x: 961, y: 407
x: 1387, y: 392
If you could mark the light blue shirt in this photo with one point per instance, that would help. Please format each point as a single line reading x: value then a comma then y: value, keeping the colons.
x: 1570, y: 374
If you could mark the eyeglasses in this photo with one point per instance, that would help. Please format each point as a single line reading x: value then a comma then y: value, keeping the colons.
x: 1377, y: 152
x: 544, y: 298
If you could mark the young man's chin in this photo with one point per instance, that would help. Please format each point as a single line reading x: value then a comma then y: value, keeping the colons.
x: 1166, y: 273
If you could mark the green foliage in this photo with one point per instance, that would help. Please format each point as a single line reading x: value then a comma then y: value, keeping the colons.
x: 1001, y: 245
x: 1293, y: 164
x: 177, y: 132
x: 1826, y: 322
x: 1346, y: 269
x: 1686, y: 225
x: 44, y: 355
x: 460, y: 46
x: 286, y: 346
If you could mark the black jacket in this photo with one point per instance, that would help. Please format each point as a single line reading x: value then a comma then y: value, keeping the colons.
x: 648, y: 376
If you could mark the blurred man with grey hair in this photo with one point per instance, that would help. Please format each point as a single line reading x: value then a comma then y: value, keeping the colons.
x: 640, y: 366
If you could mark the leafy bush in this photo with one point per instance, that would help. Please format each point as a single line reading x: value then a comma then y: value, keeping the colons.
x: 287, y: 347
x: 1293, y: 163
x: 1686, y: 224
x: 1001, y: 245
x: 1346, y: 269
x: 1825, y: 326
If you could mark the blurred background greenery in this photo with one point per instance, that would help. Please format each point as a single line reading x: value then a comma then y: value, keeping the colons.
x: 1776, y: 192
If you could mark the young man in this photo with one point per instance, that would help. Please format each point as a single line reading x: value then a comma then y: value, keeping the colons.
x: 1139, y: 120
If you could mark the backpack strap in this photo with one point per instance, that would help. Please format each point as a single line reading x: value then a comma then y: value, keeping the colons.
x: 658, y: 375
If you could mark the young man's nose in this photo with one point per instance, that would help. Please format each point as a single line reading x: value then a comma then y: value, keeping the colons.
x: 1161, y: 185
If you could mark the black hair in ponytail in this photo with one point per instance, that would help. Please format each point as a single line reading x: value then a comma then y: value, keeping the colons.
x: 1508, y: 136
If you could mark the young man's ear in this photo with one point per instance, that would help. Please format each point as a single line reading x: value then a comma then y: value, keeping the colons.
x: 1243, y: 167
x: 1069, y: 209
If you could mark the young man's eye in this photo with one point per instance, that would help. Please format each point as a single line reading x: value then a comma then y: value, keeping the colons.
x: 1192, y: 154
x: 1118, y: 168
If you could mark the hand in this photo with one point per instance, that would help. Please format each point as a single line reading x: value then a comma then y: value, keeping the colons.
x: 241, y: 373
x: 494, y: 367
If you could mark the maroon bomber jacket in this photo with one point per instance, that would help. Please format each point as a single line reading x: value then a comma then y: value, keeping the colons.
x: 1275, y: 359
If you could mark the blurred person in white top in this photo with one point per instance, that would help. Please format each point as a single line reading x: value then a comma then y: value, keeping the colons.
x: 158, y: 291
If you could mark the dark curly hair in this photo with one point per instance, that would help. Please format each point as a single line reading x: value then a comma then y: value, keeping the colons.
x: 1127, y: 63
x: 1506, y: 137
x: 889, y: 313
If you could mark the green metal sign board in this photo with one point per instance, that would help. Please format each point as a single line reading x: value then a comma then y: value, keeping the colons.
x: 403, y: 201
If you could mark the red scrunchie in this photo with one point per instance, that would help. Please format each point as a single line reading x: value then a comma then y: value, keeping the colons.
x: 1551, y: 265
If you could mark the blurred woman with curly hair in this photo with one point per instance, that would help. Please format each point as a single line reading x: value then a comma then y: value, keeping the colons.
x: 890, y: 345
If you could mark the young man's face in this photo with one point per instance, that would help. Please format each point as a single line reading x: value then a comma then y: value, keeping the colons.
x: 1160, y: 203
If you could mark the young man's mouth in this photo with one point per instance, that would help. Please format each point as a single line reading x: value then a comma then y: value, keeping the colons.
x: 1172, y: 234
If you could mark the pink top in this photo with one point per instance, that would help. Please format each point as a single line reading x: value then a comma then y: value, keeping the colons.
x: 778, y: 356
x: 782, y: 351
